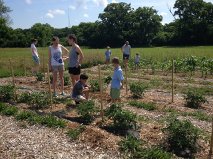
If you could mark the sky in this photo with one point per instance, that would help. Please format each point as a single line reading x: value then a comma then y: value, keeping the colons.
x: 66, y: 13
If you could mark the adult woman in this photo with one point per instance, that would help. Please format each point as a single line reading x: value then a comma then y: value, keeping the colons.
x: 56, y: 63
x: 126, y: 49
x: 75, y: 59
x: 35, y: 56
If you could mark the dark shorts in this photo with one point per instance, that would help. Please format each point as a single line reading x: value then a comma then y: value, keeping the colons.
x: 125, y: 56
x: 74, y: 70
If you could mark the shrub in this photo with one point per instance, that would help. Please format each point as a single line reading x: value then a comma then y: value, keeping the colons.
x: 7, y: 93
x: 137, y: 89
x: 24, y: 115
x: 122, y: 119
x: 181, y: 137
x: 40, y: 100
x: 87, y: 110
x: 10, y: 110
x: 39, y: 76
x: 94, y: 85
x: 194, y: 99
x: 24, y: 98
x: 146, y: 106
x: 74, y: 133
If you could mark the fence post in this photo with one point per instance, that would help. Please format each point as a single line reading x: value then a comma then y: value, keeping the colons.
x: 25, y: 71
x: 126, y: 79
x: 172, y: 80
x: 211, y: 142
x: 13, y: 79
x: 101, y: 92
x: 50, y: 92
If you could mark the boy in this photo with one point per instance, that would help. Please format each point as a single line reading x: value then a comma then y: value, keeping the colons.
x: 117, y: 80
x: 108, y: 53
x: 137, y: 60
x: 126, y: 49
x: 35, y: 56
x: 81, y: 90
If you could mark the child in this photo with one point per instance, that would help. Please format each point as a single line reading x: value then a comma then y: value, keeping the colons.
x: 137, y: 60
x: 108, y: 53
x: 81, y: 90
x: 35, y: 56
x: 117, y: 80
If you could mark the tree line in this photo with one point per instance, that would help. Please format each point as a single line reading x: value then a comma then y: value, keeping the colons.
x: 192, y: 25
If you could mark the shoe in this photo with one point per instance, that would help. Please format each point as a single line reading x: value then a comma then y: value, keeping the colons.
x: 63, y: 94
x: 55, y: 94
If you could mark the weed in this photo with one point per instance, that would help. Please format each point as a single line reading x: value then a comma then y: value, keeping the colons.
x: 146, y: 106
x: 24, y: 98
x: 137, y: 89
x: 24, y: 115
x: 7, y: 93
x: 74, y: 133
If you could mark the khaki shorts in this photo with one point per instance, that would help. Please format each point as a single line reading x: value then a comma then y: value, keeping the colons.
x: 57, y: 68
x: 80, y: 98
x: 115, y: 93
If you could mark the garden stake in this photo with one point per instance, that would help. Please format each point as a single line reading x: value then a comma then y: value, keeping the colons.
x: 25, y: 70
x: 13, y: 78
x: 48, y: 77
x: 101, y: 92
x: 172, y: 81
x: 126, y: 78
x: 43, y: 61
x: 211, y: 142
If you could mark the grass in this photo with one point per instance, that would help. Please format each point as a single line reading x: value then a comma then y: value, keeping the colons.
x: 146, y: 106
x: 21, y: 57
x: 74, y: 133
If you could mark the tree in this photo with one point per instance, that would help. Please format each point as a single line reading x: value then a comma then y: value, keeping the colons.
x: 4, y: 10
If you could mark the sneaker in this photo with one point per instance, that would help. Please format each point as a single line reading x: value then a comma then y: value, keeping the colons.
x: 55, y: 94
x: 63, y: 94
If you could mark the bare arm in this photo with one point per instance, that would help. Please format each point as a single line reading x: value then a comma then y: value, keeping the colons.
x: 64, y: 49
x: 81, y: 55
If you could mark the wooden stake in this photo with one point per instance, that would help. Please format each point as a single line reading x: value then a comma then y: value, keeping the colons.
x: 50, y: 92
x: 211, y: 142
x: 101, y: 92
x: 25, y: 70
x: 126, y: 78
x: 172, y: 81
x: 43, y: 61
x: 13, y: 78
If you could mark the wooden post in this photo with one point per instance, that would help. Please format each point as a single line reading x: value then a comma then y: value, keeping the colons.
x: 211, y: 143
x: 101, y: 92
x: 13, y: 79
x: 50, y: 92
x: 172, y: 81
x: 126, y: 78
x: 43, y: 62
x: 25, y: 70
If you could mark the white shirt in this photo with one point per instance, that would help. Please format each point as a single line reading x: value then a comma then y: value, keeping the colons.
x: 126, y: 49
x: 34, y: 50
x: 56, y: 56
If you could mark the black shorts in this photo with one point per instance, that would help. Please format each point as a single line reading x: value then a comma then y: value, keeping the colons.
x: 74, y: 70
x: 125, y: 56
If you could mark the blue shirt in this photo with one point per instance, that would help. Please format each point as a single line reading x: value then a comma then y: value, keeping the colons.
x: 117, y: 78
x: 77, y: 89
x: 108, y: 54
x: 126, y: 49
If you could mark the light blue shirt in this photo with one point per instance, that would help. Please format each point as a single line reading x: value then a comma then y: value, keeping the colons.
x: 73, y: 58
x: 126, y: 49
x: 108, y: 54
x: 117, y: 78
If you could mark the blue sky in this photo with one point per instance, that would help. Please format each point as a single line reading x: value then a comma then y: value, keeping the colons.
x: 55, y: 12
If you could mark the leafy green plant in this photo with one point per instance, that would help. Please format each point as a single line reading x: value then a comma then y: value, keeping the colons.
x: 182, y: 137
x: 66, y: 80
x: 39, y: 76
x: 74, y: 133
x: 194, y: 99
x: 24, y: 115
x: 137, y: 89
x: 24, y: 98
x: 94, y: 85
x: 2, y: 107
x: 155, y: 153
x: 40, y: 100
x: 87, y: 111
x: 122, y: 119
x: 10, y: 111
x: 7, y: 93
x: 146, y: 106
x: 107, y: 80
x: 52, y: 121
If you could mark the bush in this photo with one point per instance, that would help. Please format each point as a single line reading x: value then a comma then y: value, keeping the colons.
x: 87, y: 111
x: 39, y: 76
x: 94, y: 85
x: 137, y: 89
x: 181, y: 137
x: 122, y: 119
x: 146, y: 106
x: 194, y: 99
x: 39, y: 100
x: 7, y: 93
x: 24, y: 115
x: 74, y: 133
x: 24, y: 98
x: 10, y: 110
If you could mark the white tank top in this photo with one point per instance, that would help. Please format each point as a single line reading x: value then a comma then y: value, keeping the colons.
x: 56, y: 56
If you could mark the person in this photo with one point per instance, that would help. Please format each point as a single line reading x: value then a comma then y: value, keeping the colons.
x: 35, y: 56
x: 75, y: 59
x: 108, y: 53
x: 80, y: 90
x: 117, y: 80
x: 137, y: 60
x: 126, y: 49
x: 56, y: 63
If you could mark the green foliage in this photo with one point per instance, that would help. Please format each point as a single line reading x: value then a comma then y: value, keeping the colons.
x: 7, y: 93
x: 39, y: 76
x: 24, y: 115
x: 2, y: 107
x: 182, y: 137
x: 122, y: 119
x: 52, y: 121
x: 9, y: 110
x: 146, y: 106
x: 87, y: 110
x: 137, y: 89
x: 66, y: 80
x: 39, y: 100
x: 74, y: 133
x: 24, y: 98
x: 194, y: 99
x: 94, y: 85
x: 155, y: 153
x: 107, y: 80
